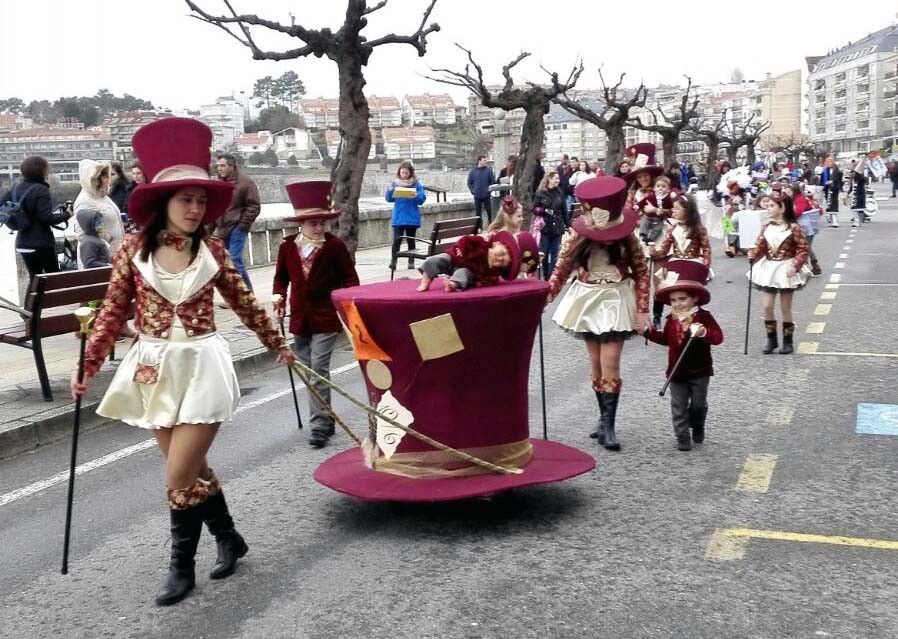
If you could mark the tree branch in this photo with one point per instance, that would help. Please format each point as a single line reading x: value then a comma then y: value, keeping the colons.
x: 378, y: 6
x: 418, y: 39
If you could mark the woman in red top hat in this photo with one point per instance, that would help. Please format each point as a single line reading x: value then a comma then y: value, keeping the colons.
x: 312, y: 264
x: 641, y: 180
x: 609, y: 299
x: 177, y: 379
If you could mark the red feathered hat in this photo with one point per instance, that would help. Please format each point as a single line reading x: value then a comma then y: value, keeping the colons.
x: 604, y: 218
x: 174, y: 153
x: 643, y: 155
x: 311, y: 201
x: 424, y: 360
x: 688, y: 276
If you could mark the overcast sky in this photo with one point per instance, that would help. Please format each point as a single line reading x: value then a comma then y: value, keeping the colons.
x: 153, y: 50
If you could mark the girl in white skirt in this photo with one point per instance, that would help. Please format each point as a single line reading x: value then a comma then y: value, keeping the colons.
x: 177, y: 379
x: 609, y: 299
x: 780, y: 267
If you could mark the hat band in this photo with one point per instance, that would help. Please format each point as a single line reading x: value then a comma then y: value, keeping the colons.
x: 677, y: 283
x: 180, y: 172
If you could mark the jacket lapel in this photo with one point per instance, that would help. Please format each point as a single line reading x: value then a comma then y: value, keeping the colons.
x: 206, y: 269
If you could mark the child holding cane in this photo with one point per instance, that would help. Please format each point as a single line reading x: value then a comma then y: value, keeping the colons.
x: 684, y: 290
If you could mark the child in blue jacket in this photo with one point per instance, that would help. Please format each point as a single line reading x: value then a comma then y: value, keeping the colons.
x: 406, y: 210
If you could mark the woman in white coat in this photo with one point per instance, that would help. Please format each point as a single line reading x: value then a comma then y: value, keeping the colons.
x: 94, y: 177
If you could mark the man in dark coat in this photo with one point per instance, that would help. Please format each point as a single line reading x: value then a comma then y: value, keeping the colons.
x: 233, y: 227
x: 479, y: 180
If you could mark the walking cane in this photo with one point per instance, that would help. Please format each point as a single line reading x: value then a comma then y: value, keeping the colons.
x: 676, y: 367
x: 276, y: 299
x: 542, y: 365
x: 84, y: 315
x: 651, y: 246
x: 751, y: 269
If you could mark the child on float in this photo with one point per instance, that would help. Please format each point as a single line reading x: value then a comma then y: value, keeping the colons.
x: 473, y: 261
x: 608, y: 300
x: 684, y: 290
x: 510, y: 218
x: 779, y: 268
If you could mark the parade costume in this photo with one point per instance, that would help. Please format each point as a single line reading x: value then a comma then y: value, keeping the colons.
x: 311, y: 270
x: 689, y: 383
x: 179, y: 369
x: 643, y: 163
x: 466, y: 261
x: 681, y: 243
x: 734, y: 186
x: 611, y: 286
x: 652, y: 225
x: 432, y: 363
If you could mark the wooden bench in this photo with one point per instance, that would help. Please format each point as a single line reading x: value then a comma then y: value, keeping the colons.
x: 61, y: 293
x: 443, y: 235
x: 439, y: 192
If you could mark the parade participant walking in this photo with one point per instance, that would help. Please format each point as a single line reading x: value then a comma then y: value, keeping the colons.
x: 95, y: 178
x: 802, y: 206
x: 608, y: 301
x: 233, y: 227
x: 780, y: 268
x: 310, y: 265
x: 859, y: 192
x: 178, y: 380
x: 34, y: 221
x: 550, y: 208
x: 406, y: 219
x: 835, y: 192
x: 684, y: 291
x: 479, y: 180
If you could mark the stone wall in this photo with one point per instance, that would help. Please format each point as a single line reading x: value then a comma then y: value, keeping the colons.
x: 271, y: 187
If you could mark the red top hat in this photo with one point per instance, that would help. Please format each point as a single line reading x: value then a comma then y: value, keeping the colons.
x: 174, y: 154
x: 311, y: 201
x: 529, y: 252
x: 688, y: 276
x: 507, y: 239
x: 643, y: 155
x: 604, y: 218
x: 434, y: 362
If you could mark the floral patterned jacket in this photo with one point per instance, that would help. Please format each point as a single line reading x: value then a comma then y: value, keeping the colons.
x: 696, y: 247
x: 631, y: 264
x: 794, y: 246
x: 132, y: 278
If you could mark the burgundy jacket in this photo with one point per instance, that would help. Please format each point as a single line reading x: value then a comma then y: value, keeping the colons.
x: 698, y: 362
x: 472, y: 252
x: 311, y: 308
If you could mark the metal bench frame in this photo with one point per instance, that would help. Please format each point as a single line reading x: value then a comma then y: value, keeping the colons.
x: 443, y: 235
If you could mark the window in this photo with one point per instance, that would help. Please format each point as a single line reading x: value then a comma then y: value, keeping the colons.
x: 863, y: 88
x: 840, y: 128
x: 863, y: 106
x: 840, y: 77
x: 863, y: 124
x: 863, y: 71
x: 821, y: 115
x: 840, y: 110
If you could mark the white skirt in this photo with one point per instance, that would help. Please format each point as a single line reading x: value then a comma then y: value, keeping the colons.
x: 772, y: 275
x: 598, y: 308
x: 195, y: 383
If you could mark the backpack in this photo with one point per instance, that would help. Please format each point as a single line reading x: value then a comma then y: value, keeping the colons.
x: 13, y: 215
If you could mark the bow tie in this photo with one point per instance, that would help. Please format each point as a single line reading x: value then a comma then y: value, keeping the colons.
x: 307, y: 241
x: 174, y: 240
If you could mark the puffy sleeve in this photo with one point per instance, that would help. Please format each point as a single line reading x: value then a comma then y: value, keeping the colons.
x: 281, y: 272
x: 801, y: 247
x: 640, y: 272
x: 662, y: 253
x: 761, y: 248
x: 704, y: 245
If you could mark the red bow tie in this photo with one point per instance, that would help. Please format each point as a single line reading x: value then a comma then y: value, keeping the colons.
x: 174, y: 240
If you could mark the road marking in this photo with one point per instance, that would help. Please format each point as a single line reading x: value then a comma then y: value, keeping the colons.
x: 835, y: 278
x: 757, y: 471
x: 849, y: 241
x: 828, y: 295
x: 808, y: 348
x: 832, y: 287
x: 846, y: 248
x: 815, y: 328
x: 870, y: 284
x: 723, y: 547
x: 797, y: 376
x: 843, y: 256
x: 823, y: 309
x: 780, y: 416
x: 835, y: 540
x: 811, y: 349
x: 877, y: 419
x: 105, y: 460
x: 839, y: 265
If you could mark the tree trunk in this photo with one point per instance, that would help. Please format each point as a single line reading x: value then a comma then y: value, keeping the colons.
x: 713, y: 152
x: 614, y: 148
x: 669, y: 143
x: 532, y: 135
x: 750, y: 153
x: 732, y: 151
x: 356, y: 143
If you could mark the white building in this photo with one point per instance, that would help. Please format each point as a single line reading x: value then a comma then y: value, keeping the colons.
x: 225, y: 118
x: 568, y: 134
x: 332, y: 138
x: 410, y: 143
x: 63, y: 148
x: 294, y: 142
x: 384, y: 112
x: 320, y: 113
x: 249, y: 143
x: 429, y: 109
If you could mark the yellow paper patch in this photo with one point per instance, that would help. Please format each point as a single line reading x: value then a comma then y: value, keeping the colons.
x: 436, y: 337
x: 362, y: 343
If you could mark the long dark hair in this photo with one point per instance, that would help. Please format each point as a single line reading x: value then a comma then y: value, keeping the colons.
x: 788, y: 210
x: 149, y: 236
x: 693, y: 219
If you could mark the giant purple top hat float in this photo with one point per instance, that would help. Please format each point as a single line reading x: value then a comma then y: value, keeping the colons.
x: 436, y: 362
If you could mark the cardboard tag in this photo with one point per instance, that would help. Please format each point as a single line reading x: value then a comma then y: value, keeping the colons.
x: 362, y: 343
x: 388, y: 437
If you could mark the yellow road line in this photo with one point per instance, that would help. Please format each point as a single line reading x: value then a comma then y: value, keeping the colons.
x: 835, y: 540
x: 757, y: 471
x: 808, y: 348
x: 823, y: 309
x: 815, y: 328
x: 723, y: 547
x: 828, y: 295
x: 780, y: 416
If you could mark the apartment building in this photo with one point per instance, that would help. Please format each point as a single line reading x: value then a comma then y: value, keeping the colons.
x: 332, y: 139
x: 568, y: 134
x: 123, y: 126
x: 225, y: 118
x: 410, y: 143
x: 429, y: 109
x: 320, y: 113
x: 63, y: 148
x: 384, y: 112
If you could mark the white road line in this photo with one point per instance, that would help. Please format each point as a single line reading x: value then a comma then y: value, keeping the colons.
x: 105, y: 460
x: 835, y: 278
x: 839, y: 265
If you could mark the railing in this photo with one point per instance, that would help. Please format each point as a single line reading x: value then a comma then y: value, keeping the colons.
x: 889, y: 95
x: 891, y: 75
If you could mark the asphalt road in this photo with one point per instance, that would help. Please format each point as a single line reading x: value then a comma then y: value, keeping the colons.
x: 644, y: 546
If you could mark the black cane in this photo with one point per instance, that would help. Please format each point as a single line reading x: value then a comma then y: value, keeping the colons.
x: 84, y: 316
x: 651, y: 246
x: 276, y: 300
x: 676, y: 367
x: 542, y: 365
x: 751, y: 269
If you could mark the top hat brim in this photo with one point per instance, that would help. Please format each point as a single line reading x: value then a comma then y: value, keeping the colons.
x: 697, y: 289
x: 347, y: 473
x: 610, y: 234
x: 313, y: 214
x: 654, y: 171
x: 143, y: 201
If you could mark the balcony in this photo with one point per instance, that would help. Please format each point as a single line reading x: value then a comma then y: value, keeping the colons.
x: 840, y: 99
x: 890, y: 114
x: 891, y: 76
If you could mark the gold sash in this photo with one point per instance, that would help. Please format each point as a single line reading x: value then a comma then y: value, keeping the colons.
x: 437, y: 463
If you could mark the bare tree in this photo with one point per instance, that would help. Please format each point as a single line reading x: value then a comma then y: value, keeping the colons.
x: 794, y: 146
x: 351, y: 51
x: 671, y: 127
x: 711, y: 133
x: 612, y: 119
x: 534, y: 99
x: 747, y: 136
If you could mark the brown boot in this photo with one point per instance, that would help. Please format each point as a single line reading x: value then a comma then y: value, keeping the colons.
x: 788, y: 332
x: 770, y: 327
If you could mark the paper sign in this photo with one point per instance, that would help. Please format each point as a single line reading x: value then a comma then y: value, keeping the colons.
x: 749, y: 227
x: 388, y: 437
x: 436, y: 337
x: 362, y: 343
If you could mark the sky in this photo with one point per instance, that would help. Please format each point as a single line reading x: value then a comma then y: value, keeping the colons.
x: 152, y: 49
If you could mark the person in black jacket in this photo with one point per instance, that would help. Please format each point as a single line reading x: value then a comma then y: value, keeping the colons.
x: 119, y: 190
x: 35, y: 241
x: 550, y: 204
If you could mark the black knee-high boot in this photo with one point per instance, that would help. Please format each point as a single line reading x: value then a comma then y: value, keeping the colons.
x: 697, y: 417
x: 186, y: 528
x: 600, y: 425
x: 788, y: 332
x: 231, y: 545
x: 770, y: 327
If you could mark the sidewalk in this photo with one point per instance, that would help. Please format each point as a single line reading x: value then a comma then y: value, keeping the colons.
x: 27, y: 421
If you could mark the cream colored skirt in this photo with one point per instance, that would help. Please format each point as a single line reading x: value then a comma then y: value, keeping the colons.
x: 772, y: 275
x: 162, y: 383
x: 598, y: 308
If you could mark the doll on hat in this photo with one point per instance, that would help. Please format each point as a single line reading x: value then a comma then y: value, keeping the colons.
x: 473, y: 261
x: 684, y: 290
